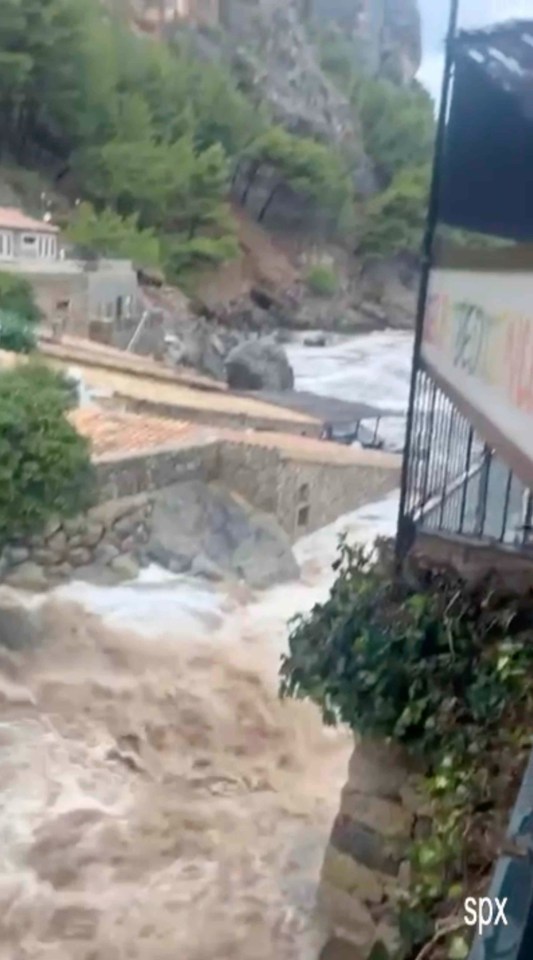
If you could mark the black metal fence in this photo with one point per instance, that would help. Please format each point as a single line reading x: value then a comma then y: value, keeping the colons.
x: 455, y: 484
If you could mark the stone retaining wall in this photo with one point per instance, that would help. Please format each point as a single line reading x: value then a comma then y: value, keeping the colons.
x: 111, y: 535
x: 366, y: 864
x: 127, y: 475
x: 303, y: 495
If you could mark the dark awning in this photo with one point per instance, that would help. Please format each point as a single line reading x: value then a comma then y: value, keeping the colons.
x: 324, y: 409
x: 487, y: 172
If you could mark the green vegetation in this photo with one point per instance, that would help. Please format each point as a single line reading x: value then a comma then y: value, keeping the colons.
x: 322, y: 280
x: 110, y: 235
x: 45, y: 468
x: 312, y: 169
x: 19, y: 314
x: 151, y: 135
x: 149, y: 132
x: 394, y: 219
x: 398, y: 128
x: 443, y: 668
x: 16, y: 296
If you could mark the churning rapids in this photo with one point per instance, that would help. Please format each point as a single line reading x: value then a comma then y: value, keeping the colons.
x: 157, y: 800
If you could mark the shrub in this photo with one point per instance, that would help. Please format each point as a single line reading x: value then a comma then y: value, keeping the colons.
x: 16, y: 297
x: 45, y: 468
x: 322, y: 281
x: 16, y: 334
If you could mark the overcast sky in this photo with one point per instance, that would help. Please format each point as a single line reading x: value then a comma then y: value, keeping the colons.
x: 474, y: 13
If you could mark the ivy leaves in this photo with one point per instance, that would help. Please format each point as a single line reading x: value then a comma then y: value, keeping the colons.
x: 443, y: 668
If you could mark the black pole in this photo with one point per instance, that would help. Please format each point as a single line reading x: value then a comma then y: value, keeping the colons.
x: 404, y: 535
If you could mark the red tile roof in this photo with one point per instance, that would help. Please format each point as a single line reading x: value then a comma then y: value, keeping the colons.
x: 113, y: 432
x: 13, y: 219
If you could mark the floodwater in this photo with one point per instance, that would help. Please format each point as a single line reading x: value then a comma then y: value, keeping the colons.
x: 158, y: 801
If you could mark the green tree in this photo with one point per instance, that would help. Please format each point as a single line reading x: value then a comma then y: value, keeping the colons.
x: 39, y: 47
x: 109, y: 234
x: 398, y: 126
x: 45, y: 467
x: 394, y: 220
x: 310, y: 168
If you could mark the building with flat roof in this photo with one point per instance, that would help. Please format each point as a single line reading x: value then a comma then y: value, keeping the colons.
x: 25, y: 238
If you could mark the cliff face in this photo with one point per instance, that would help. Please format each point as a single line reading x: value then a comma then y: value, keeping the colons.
x: 273, y: 49
x: 388, y: 32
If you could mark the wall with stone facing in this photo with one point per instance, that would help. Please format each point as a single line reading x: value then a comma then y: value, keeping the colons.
x: 312, y: 495
x: 111, y: 535
x: 366, y: 864
x: 125, y: 475
x: 476, y: 560
x: 303, y: 495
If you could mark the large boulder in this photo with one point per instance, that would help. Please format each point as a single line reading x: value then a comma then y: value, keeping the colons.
x: 259, y: 365
x: 204, y: 529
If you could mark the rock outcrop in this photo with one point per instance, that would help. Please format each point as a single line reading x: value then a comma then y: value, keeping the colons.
x: 203, y: 530
x: 259, y: 365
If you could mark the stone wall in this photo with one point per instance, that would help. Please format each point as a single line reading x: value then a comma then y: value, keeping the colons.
x: 303, y: 495
x: 475, y: 560
x: 109, y: 537
x: 366, y: 864
x: 312, y: 495
x: 124, y: 476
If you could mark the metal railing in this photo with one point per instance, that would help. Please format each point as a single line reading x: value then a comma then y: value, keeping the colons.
x: 455, y: 483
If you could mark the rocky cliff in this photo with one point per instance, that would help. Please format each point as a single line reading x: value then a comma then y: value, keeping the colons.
x: 271, y: 51
x: 387, y: 32
x: 271, y: 45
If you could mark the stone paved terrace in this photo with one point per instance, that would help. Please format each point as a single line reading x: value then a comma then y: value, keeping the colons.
x: 184, y: 402
x: 77, y: 350
x: 134, y: 384
x: 114, y: 432
x: 314, y: 451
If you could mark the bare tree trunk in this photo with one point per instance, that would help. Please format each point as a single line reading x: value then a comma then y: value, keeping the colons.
x: 252, y: 176
x: 266, y: 206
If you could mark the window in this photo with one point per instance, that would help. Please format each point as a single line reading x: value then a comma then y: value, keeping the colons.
x: 303, y: 516
x: 6, y: 245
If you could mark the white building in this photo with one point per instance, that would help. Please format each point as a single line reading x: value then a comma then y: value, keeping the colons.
x: 22, y: 238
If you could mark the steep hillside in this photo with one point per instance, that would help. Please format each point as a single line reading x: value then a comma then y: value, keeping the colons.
x: 314, y: 130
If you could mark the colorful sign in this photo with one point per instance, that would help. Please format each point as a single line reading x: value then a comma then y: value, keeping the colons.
x: 478, y: 340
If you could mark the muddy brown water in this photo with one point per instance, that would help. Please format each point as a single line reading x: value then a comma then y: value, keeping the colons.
x: 158, y: 800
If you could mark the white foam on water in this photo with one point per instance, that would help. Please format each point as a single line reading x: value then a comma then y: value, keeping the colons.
x: 371, y: 368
